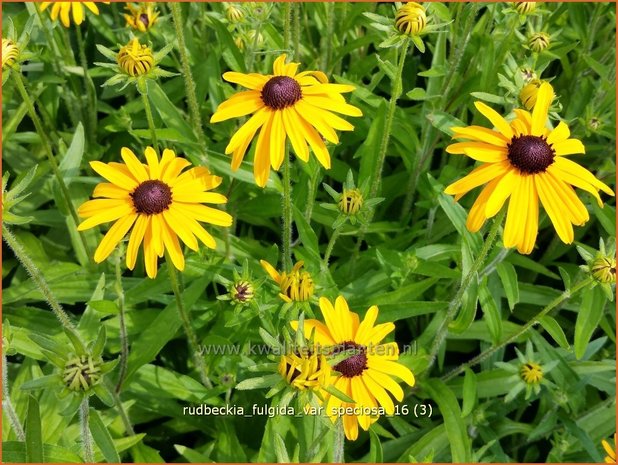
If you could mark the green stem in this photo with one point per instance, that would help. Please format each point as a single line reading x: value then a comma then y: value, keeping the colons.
x: 287, y: 15
x: 296, y: 30
x: 566, y: 295
x: 124, y: 341
x: 396, y: 90
x: 194, y: 110
x: 89, y: 87
x: 330, y: 246
x: 286, y: 233
x: 7, y: 404
x: 313, y: 187
x: 338, y: 443
x: 186, y: 323
x: 84, y: 416
x: 457, y: 300
x: 124, y: 417
x: 151, y: 125
x: 47, y: 145
x: 330, y: 28
x: 37, y: 277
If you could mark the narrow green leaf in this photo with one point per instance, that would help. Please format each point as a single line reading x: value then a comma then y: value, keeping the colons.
x: 508, y: 276
x: 470, y: 394
x: 102, y: 438
x: 71, y: 162
x: 555, y: 331
x: 259, y: 383
x: 338, y: 394
x: 34, y: 438
x: 280, y: 450
x: 376, y: 454
x: 588, y: 318
x: 491, y: 312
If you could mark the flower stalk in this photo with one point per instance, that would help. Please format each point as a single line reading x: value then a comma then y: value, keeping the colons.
x: 186, y: 323
x: 455, y: 304
x: 338, y: 446
x: 562, y: 298
x: 330, y: 246
x: 151, y: 125
x: 84, y: 416
x: 7, y: 405
x: 88, y: 85
x: 287, y: 213
x: 124, y: 341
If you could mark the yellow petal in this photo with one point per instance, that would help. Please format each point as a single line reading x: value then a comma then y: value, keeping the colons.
x: 380, y: 394
x: 157, y: 225
x: 478, y: 177
x: 65, y: 9
x: 386, y: 382
x: 106, y: 216
x: 507, y: 185
x: 150, y: 257
x: 113, y: 236
x: 173, y: 169
x: 114, y: 175
x: 261, y: 161
x: 291, y: 123
x: 333, y: 105
x: 476, y: 217
x: 279, y: 65
x: 327, y: 88
x: 541, y: 108
x: 571, y: 203
x: 391, y: 368
x: 315, y: 141
x: 111, y: 191
x: 379, y: 332
x: 94, y: 207
x: 559, y: 134
x: 330, y: 318
x: 514, y: 228
x: 136, y: 168
x: 135, y: 239
x: 575, y: 181
x: 480, y: 134
x: 577, y: 170
x: 153, y: 163
x: 177, y: 223
x: 271, y: 271
x: 495, y: 118
x: 569, y: 147
x: 204, y: 213
x: 247, y: 131
x: 250, y: 81
x: 532, y: 217
x: 173, y: 247
x: 238, y: 105
x: 313, y: 117
x: 321, y: 333
x: 78, y: 12
x: 277, y: 141
x: 551, y: 202
x: 364, y: 329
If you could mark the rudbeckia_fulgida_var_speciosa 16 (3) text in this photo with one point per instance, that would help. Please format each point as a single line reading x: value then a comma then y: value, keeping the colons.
x: 526, y: 161
x: 159, y: 202
x: 285, y: 105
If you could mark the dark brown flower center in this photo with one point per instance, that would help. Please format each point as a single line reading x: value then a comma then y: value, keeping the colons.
x: 530, y: 154
x: 144, y: 19
x: 356, y: 363
x: 280, y: 92
x: 151, y: 197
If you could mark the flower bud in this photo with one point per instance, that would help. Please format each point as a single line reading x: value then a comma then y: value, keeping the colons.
x: 351, y: 201
x: 538, y: 41
x: 411, y: 19
x: 10, y: 52
x: 135, y: 59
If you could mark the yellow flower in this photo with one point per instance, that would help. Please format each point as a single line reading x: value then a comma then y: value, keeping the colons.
x: 525, y: 161
x: 159, y: 202
x: 351, y: 201
x: 531, y: 372
x: 234, y: 14
x: 10, y: 52
x: 65, y: 8
x: 305, y: 369
x: 530, y: 91
x: 411, y: 19
x: 284, y: 105
x: 365, y: 375
x: 603, y: 269
x: 538, y: 41
x: 524, y: 8
x: 611, y: 451
x: 142, y: 17
x: 295, y: 286
x: 135, y: 59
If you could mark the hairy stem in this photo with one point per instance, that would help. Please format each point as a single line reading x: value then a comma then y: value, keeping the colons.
x: 330, y: 246
x: 457, y: 300
x: 124, y: 341
x: 151, y: 125
x: 186, y: 323
x: 89, y: 87
x: 7, y: 405
x: 286, y: 232
x: 194, y: 109
x: 566, y: 295
x: 84, y: 416
x: 37, y: 277
x: 339, y: 442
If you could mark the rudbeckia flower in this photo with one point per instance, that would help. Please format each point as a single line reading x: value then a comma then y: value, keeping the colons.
x: 159, y: 202
x: 141, y: 17
x: 286, y: 104
x: 64, y: 9
x: 366, y: 375
x: 526, y: 161
x: 295, y: 286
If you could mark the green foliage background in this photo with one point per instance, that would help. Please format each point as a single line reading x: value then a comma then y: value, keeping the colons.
x: 410, y: 265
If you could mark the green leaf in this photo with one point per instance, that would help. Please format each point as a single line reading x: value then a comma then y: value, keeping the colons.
x: 43, y: 382
x: 71, y: 162
x: 376, y: 455
x: 491, y: 312
x: 588, y: 318
x: 260, y: 382
x: 280, y: 450
x: 15, y: 452
x: 470, y: 393
x: 508, y: 277
x: 34, y: 439
x: 107, y: 307
x: 307, y: 235
x: 456, y: 431
x: 338, y: 394
x: 102, y: 438
x: 555, y: 331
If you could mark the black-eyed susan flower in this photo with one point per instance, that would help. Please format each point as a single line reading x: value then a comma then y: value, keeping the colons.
x: 531, y: 372
x: 285, y: 105
x: 242, y: 292
x: 526, y: 161
x: 411, y: 19
x: 609, y: 450
x: 539, y: 41
x: 158, y: 202
x: 305, y: 369
x: 364, y: 367
x: 295, y: 286
x: 141, y: 17
x: 135, y: 59
x: 64, y: 10
x: 10, y: 53
x: 530, y: 91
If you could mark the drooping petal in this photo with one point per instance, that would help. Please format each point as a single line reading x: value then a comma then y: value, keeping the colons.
x: 113, y: 236
x: 477, y: 177
x: 135, y: 239
x: 495, y: 118
x: 551, y: 202
x: 240, y: 104
x: 541, y: 108
x: 391, y: 368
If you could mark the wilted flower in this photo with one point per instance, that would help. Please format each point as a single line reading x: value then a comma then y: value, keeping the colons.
x: 304, y: 369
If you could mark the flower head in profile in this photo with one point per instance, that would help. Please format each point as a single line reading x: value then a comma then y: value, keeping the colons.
x: 64, y: 10
x: 363, y: 365
x: 142, y: 17
x: 530, y: 91
x: 411, y: 19
x: 305, y: 369
x: 609, y: 450
x: 10, y: 53
x: 295, y: 286
x: 285, y: 105
x: 525, y: 162
x: 601, y: 265
x: 158, y: 203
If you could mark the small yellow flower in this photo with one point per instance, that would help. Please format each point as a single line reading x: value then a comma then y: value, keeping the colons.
x: 10, y: 53
x: 524, y: 8
x: 295, y: 286
x: 242, y: 291
x: 531, y: 373
x: 135, y: 59
x: 411, y: 19
x: 351, y: 201
x: 530, y: 91
x: 305, y: 369
x: 603, y: 269
x: 158, y: 203
x: 539, y: 41
x: 611, y: 451
x: 234, y: 14
x: 64, y: 9
x: 142, y: 17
